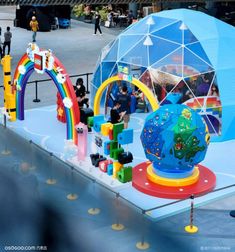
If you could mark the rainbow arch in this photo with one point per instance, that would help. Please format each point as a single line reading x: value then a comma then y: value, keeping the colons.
x: 66, y: 91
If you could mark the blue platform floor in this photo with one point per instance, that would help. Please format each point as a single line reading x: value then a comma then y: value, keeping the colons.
x: 41, y: 126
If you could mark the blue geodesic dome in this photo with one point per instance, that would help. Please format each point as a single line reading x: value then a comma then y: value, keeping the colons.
x: 178, y: 51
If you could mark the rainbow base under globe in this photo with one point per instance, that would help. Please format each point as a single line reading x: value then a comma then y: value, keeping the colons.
x: 200, y: 182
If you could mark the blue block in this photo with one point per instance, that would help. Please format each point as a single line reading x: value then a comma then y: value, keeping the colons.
x: 98, y: 121
x: 126, y: 136
x: 110, y: 169
x: 107, y: 147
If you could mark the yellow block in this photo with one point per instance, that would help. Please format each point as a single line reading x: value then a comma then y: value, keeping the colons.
x: 172, y: 182
x: 105, y: 127
x: 146, y: 91
x: 116, y: 168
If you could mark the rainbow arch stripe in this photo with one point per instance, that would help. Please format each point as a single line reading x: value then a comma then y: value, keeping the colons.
x: 66, y: 91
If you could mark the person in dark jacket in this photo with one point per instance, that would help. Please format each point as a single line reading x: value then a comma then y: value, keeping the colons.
x: 7, y: 40
x: 97, y: 23
x: 115, y: 115
x: 125, y: 100
x: 80, y: 92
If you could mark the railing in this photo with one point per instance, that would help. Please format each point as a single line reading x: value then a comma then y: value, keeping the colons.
x: 85, y: 75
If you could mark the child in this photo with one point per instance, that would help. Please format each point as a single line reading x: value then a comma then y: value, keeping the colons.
x: 115, y: 116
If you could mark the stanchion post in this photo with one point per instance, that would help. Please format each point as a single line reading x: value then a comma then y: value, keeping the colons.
x: 36, y: 92
x: 51, y: 180
x: 143, y: 245
x: 191, y: 228
x: 5, y: 121
x: 117, y: 226
x: 94, y: 210
x: 72, y: 196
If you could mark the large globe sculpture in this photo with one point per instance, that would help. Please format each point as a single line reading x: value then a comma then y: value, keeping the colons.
x: 175, y: 139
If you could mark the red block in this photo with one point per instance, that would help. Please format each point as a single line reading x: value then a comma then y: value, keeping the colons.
x: 111, y: 134
x: 103, y: 165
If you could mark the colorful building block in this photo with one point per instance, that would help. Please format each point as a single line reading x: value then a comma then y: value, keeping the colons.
x: 96, y: 158
x: 98, y: 161
x: 97, y: 122
x: 111, y: 134
x: 82, y: 131
x: 110, y: 169
x: 103, y: 165
x: 116, y: 168
x: 113, y: 145
x: 105, y: 128
x: 115, y: 153
x: 117, y: 128
x: 125, y: 157
x: 107, y: 147
x: 126, y: 136
x: 90, y: 121
x: 125, y: 174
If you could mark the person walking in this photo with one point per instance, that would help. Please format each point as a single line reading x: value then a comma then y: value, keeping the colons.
x: 97, y: 23
x: 7, y: 41
x: 34, y: 27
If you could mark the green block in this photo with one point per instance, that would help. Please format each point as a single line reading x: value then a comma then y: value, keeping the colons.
x: 113, y: 145
x: 117, y: 128
x: 125, y: 174
x: 90, y: 121
x: 114, y: 153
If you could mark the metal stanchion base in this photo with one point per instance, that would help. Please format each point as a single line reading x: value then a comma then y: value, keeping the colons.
x: 36, y: 100
x: 191, y: 229
x: 51, y: 181
x: 232, y: 213
x: 72, y: 196
x: 32, y: 168
x: 94, y: 211
x: 24, y: 166
x: 118, y: 227
x: 142, y: 245
x: 6, y: 152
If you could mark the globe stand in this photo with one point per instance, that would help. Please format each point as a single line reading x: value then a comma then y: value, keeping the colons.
x: 205, y: 183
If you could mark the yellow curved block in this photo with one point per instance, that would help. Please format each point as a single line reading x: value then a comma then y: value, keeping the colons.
x: 153, y: 177
x: 146, y: 91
